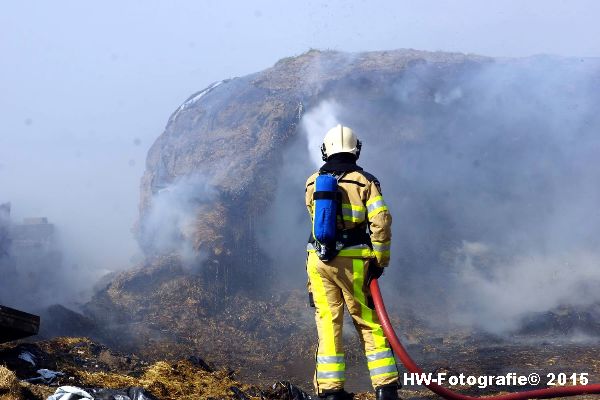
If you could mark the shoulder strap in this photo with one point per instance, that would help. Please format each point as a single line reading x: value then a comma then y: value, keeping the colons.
x: 339, y: 199
x: 371, y: 178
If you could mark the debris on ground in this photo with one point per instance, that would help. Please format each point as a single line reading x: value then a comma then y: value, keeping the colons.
x: 70, y: 368
x: 288, y: 391
x: 102, y: 372
x: 75, y: 393
x: 70, y: 393
x: 45, y: 376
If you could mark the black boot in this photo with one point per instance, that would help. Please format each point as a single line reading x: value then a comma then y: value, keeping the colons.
x: 337, y: 395
x: 387, y: 392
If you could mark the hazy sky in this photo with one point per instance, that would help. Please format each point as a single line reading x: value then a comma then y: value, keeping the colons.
x: 86, y: 87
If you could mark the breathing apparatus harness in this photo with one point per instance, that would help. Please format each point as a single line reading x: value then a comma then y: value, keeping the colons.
x: 325, y: 237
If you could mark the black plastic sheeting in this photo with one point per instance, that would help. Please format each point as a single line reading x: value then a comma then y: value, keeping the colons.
x: 288, y: 391
x: 282, y: 390
x: 133, y: 393
x: 239, y: 394
x: 197, y: 361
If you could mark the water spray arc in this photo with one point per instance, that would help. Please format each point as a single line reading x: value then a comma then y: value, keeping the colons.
x: 411, y: 366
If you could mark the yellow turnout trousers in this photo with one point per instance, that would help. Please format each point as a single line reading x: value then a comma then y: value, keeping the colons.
x: 333, y: 284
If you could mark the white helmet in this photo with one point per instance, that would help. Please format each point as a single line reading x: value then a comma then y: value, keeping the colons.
x: 340, y: 139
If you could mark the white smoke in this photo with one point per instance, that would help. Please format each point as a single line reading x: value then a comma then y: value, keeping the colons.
x: 498, y: 292
x: 445, y: 98
x: 491, y: 176
x: 169, y: 224
x: 315, y: 124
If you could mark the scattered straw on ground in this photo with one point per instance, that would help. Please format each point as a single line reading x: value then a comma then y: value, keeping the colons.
x: 181, y: 380
x: 9, y: 385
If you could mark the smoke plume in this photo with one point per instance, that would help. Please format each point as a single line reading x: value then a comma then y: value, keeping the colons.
x: 491, y: 173
x: 169, y: 226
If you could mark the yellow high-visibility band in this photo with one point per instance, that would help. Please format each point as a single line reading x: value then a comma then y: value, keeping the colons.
x: 375, y: 206
x: 353, y: 207
x: 353, y: 213
x: 325, y: 376
x: 395, y: 373
x: 358, y: 278
x: 389, y: 369
x: 325, y: 359
x: 327, y: 343
x: 364, y: 253
x: 381, y: 246
x: 381, y: 254
x: 381, y: 363
x: 377, y: 211
x: 331, y: 367
x: 373, y: 200
x: 379, y: 354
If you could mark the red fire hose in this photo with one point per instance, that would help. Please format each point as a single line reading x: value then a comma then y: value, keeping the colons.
x: 557, y: 391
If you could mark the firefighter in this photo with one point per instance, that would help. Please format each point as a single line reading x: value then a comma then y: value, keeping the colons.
x: 339, y: 273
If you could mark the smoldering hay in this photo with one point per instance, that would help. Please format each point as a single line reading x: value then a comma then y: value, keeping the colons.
x: 489, y: 167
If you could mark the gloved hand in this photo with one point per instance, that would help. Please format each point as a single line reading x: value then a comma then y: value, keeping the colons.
x: 374, y: 271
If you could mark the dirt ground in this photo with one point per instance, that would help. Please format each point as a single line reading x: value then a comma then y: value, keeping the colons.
x: 87, y: 364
